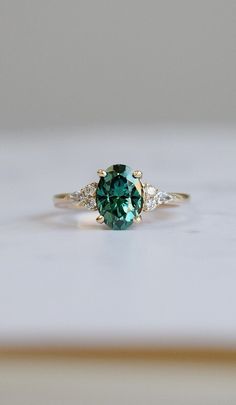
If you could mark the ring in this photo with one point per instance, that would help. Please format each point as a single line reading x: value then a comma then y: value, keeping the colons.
x: 119, y: 196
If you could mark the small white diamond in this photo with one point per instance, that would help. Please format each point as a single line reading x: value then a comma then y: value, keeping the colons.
x: 150, y: 197
x: 153, y: 197
x: 90, y: 189
x: 77, y: 196
x: 93, y: 188
x: 91, y: 204
x: 163, y: 197
x: 150, y: 205
x: 150, y: 191
x: 86, y: 191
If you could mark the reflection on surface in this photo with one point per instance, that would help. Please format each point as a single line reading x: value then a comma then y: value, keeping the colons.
x: 86, y: 220
x: 83, y: 220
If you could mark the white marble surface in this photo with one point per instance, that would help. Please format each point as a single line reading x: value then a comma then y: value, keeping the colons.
x: 66, y: 279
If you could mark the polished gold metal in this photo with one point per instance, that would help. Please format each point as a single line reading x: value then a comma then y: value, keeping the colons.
x: 100, y: 219
x: 137, y: 174
x: 138, y: 219
x: 101, y: 173
x: 179, y: 196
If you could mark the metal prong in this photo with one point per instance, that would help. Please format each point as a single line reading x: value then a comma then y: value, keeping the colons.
x: 138, y: 219
x: 100, y: 219
x: 101, y: 173
x: 137, y: 174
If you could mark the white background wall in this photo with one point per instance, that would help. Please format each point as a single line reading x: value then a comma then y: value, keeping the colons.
x: 72, y: 62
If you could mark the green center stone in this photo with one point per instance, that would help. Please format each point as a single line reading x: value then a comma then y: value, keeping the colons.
x: 119, y: 197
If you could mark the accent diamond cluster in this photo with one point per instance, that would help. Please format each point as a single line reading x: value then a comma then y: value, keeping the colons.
x: 153, y: 197
x: 86, y: 197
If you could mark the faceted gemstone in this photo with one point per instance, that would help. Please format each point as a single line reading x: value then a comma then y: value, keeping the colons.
x: 119, y: 197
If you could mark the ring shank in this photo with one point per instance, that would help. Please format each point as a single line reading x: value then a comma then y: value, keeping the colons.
x: 179, y: 196
x: 63, y: 200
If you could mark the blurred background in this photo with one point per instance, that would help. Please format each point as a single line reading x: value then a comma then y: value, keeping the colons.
x: 147, y: 316
x: 116, y: 62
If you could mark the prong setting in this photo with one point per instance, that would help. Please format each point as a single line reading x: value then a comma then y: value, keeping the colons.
x: 101, y: 173
x: 138, y: 219
x: 137, y: 174
x: 100, y: 219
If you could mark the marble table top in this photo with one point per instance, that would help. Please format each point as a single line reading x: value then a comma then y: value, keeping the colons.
x: 64, y: 279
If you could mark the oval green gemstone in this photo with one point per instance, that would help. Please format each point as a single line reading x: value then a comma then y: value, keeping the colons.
x: 119, y: 197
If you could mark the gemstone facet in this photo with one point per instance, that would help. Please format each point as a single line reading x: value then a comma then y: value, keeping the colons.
x: 119, y: 197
